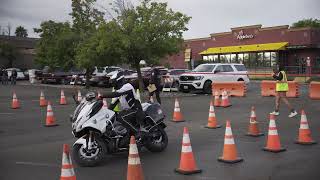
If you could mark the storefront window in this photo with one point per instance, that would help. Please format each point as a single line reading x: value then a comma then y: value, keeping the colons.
x: 234, y: 58
x: 246, y: 60
x: 205, y: 58
x: 274, y: 58
x: 253, y: 59
x: 260, y: 60
x: 240, y: 58
x: 210, y: 57
x: 216, y: 58
x: 223, y: 58
x: 266, y: 59
x: 228, y: 58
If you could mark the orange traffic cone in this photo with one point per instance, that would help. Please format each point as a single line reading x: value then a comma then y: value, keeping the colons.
x: 177, y: 115
x: 134, y: 166
x: 304, y: 131
x: 50, y: 121
x: 253, y: 129
x: 67, y: 171
x: 105, y: 103
x: 217, y: 101
x: 187, y: 161
x: 273, y: 141
x: 62, y: 98
x: 43, y: 101
x: 230, y: 154
x: 225, y: 100
x: 212, y: 121
x: 15, y: 103
x: 79, y: 96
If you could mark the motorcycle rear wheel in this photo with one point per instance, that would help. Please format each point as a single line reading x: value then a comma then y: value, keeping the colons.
x: 91, y: 158
x: 157, y: 141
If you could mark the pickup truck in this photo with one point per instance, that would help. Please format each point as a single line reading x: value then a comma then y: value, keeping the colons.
x: 58, y: 76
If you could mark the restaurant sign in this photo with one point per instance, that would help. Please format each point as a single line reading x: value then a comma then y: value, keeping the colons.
x: 242, y: 36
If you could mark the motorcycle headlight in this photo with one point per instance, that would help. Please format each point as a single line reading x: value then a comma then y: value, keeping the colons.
x: 198, y: 77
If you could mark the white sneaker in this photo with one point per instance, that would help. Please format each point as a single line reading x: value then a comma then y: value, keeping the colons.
x: 276, y: 113
x: 292, y: 114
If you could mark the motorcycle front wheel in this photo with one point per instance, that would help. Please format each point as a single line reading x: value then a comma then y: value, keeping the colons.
x: 88, y: 158
x: 157, y: 140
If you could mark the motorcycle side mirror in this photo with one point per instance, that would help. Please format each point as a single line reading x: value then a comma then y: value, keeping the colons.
x: 90, y: 96
x: 75, y: 99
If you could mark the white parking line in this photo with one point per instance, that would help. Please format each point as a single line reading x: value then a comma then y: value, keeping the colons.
x: 37, y: 164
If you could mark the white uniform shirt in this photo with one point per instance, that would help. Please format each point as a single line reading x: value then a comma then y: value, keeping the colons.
x: 124, y: 99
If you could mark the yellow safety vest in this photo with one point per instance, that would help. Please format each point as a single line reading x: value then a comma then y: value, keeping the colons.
x: 283, y: 84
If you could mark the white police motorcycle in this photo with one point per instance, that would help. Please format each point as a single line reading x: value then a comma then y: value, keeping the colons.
x: 101, y: 134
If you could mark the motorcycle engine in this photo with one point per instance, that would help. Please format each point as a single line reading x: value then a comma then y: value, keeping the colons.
x: 120, y: 130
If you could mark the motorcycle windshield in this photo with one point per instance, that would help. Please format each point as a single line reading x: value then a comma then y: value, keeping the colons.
x: 96, y: 106
x: 155, y: 112
x: 78, y: 109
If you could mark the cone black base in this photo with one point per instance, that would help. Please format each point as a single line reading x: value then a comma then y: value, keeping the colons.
x: 187, y: 172
x: 305, y: 143
x: 178, y: 121
x: 208, y: 127
x: 230, y: 161
x: 53, y: 125
x: 255, y: 135
x: 274, y: 150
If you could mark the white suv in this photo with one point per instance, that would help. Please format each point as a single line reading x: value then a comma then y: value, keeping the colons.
x: 203, y: 75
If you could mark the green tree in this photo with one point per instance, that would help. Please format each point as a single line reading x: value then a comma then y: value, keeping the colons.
x: 21, y: 32
x: 307, y: 23
x: 56, y: 47
x: 85, y: 17
x: 150, y: 31
x: 59, y: 41
x: 9, y: 52
x: 101, y: 49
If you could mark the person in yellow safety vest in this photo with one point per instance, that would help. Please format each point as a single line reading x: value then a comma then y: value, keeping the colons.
x: 281, y: 88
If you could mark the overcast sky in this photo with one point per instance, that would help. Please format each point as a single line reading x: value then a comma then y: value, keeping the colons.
x: 208, y: 16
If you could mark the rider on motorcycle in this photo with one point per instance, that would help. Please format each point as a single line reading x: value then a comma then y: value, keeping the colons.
x: 131, y: 106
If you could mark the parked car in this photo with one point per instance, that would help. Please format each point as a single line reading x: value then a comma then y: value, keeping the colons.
x: 203, y: 75
x: 146, y: 75
x: 20, y: 75
x: 174, y: 75
x: 77, y: 77
x: 58, y: 75
x: 104, y: 81
x: 37, y: 72
x: 99, y: 75
x: 102, y: 71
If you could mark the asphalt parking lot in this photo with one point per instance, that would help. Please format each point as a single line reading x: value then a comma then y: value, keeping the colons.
x: 31, y: 151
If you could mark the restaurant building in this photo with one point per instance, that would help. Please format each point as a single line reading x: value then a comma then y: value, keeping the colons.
x: 258, y: 48
x: 24, y: 52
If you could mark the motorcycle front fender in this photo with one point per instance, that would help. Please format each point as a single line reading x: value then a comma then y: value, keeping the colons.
x: 82, y: 141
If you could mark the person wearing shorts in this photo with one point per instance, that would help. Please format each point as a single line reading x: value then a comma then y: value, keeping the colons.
x: 281, y: 89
